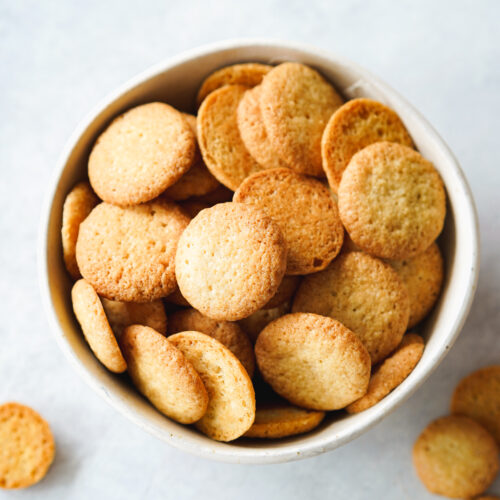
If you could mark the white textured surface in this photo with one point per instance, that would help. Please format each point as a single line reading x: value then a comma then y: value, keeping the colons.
x: 57, y: 59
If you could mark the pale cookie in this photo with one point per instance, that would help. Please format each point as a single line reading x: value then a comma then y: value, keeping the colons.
x: 478, y: 396
x: 253, y: 132
x: 355, y: 125
x: 128, y: 254
x: 163, y: 374
x: 296, y: 103
x: 231, y: 406
x: 313, y: 361
x: 256, y: 322
x: 285, y: 292
x: 230, y: 261
x: 423, y: 277
x: 391, y: 372
x: 140, y: 154
x: 95, y: 326
x: 305, y: 212
x: 247, y: 74
x: 77, y: 206
x: 282, y: 420
x: 226, y: 332
x: 391, y: 201
x: 198, y: 180
x: 456, y: 457
x: 364, y: 294
x: 219, y: 138
x: 26, y: 446
x: 123, y: 314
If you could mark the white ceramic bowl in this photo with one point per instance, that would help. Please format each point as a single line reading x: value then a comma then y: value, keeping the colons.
x: 176, y: 81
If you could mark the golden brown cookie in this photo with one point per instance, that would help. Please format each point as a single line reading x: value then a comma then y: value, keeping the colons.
x: 456, y: 457
x: 230, y: 261
x: 391, y: 201
x: 163, y: 374
x: 26, y: 446
x: 123, y: 314
x: 355, y: 125
x: 364, y: 294
x: 305, y: 212
x: 313, y: 361
x: 198, y: 180
x: 140, y: 154
x: 285, y: 292
x: 95, y: 326
x: 219, y: 138
x: 128, y: 253
x: 253, y: 132
x: 77, y: 206
x: 231, y: 407
x: 248, y: 74
x: 478, y: 396
x: 423, y: 277
x: 296, y: 103
x: 226, y: 332
x: 391, y: 372
x: 283, y: 420
x: 256, y: 322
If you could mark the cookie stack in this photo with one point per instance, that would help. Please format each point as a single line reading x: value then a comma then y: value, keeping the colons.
x: 281, y: 236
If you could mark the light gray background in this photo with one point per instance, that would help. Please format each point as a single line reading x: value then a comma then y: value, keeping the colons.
x: 57, y: 59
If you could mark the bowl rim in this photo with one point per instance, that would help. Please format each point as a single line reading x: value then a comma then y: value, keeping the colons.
x: 233, y: 454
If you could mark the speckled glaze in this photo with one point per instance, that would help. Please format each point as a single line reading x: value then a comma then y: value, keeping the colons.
x: 176, y: 81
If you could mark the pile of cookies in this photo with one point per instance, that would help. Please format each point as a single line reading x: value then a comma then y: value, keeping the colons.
x: 281, y: 235
x: 457, y: 455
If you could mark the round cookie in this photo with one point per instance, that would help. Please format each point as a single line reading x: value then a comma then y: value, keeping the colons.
x: 219, y: 138
x: 162, y: 373
x: 364, y: 294
x: 95, y: 326
x: 253, y: 132
x: 226, y: 332
x: 456, y: 457
x: 391, y: 372
x: 282, y: 420
x: 140, y: 154
x: 256, y: 322
x: 77, y: 206
x: 355, y: 125
x: 305, y: 212
x: 198, y: 180
x: 230, y: 261
x: 313, y: 361
x: 247, y: 74
x: 478, y: 396
x: 123, y: 314
x: 423, y: 277
x: 231, y: 406
x: 391, y: 201
x: 27, y: 446
x: 128, y: 254
x: 296, y: 103
x: 285, y: 292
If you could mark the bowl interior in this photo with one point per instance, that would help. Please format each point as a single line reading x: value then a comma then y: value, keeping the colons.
x: 176, y: 82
